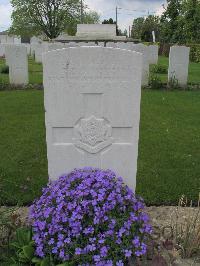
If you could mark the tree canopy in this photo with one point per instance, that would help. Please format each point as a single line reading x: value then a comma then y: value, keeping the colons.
x: 180, y: 23
x: 49, y: 17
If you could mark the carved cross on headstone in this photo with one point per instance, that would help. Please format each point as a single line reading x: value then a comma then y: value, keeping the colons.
x: 92, y: 133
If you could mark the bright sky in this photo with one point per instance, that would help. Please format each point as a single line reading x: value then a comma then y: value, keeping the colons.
x: 130, y: 9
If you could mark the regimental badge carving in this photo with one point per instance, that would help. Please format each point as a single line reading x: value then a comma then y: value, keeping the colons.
x: 93, y: 134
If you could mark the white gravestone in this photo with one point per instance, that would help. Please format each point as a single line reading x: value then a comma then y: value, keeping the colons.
x: 143, y: 49
x: 55, y: 46
x: 8, y: 55
x: 153, y: 54
x: 111, y: 44
x: 3, y: 38
x: 96, y: 30
x: 102, y: 44
x: 92, y: 103
x: 28, y: 48
x: 178, y: 64
x: 18, y: 64
x: 35, y: 40
x: 10, y: 39
x: 79, y: 44
x: 38, y: 53
x: 17, y: 40
x: 33, y: 45
x: 2, y: 50
x: 123, y: 45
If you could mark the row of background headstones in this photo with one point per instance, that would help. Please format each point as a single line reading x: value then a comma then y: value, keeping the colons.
x: 178, y: 59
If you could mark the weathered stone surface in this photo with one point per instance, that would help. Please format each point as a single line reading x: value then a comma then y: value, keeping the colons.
x: 102, y: 44
x: 153, y: 54
x: 92, y: 102
x: 7, y: 53
x: 79, y: 44
x: 17, y: 40
x: 2, y: 50
x: 18, y: 64
x: 35, y: 39
x: 111, y: 44
x: 141, y: 48
x: 55, y: 46
x: 38, y: 48
x: 178, y: 64
x: 3, y: 39
x: 28, y: 48
x: 97, y: 30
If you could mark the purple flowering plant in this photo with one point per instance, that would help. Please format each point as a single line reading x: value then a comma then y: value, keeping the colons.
x: 89, y: 217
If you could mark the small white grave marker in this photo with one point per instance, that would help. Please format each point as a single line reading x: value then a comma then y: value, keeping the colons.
x: 153, y: 54
x: 178, y: 64
x: 18, y: 64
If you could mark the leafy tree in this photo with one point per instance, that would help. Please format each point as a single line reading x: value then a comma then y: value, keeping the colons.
x: 171, y: 22
x: 43, y: 16
x: 109, y: 21
x: 180, y: 23
x: 91, y: 17
x: 142, y: 28
x: 191, y: 20
x: 151, y: 23
x: 119, y: 32
x: 137, y: 28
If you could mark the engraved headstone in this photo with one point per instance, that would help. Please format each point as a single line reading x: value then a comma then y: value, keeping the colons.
x: 18, y: 64
x: 178, y: 64
x: 92, y: 103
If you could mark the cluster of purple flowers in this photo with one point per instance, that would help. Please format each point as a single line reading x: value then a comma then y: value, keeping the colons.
x: 89, y: 217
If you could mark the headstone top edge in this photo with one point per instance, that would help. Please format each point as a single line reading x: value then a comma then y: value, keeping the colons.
x: 78, y: 48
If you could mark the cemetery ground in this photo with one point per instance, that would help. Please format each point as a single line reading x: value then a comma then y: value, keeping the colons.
x: 35, y: 71
x: 168, y: 164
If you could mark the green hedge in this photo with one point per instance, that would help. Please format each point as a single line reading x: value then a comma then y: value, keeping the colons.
x: 194, y: 51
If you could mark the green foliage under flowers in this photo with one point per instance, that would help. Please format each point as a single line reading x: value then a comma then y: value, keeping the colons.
x: 23, y: 250
x: 194, y: 52
x: 23, y: 247
x: 155, y: 82
x: 159, y: 69
x: 173, y: 83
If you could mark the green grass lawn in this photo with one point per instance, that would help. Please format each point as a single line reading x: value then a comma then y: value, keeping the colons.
x: 169, y: 153
x: 194, y: 70
x: 36, y: 74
